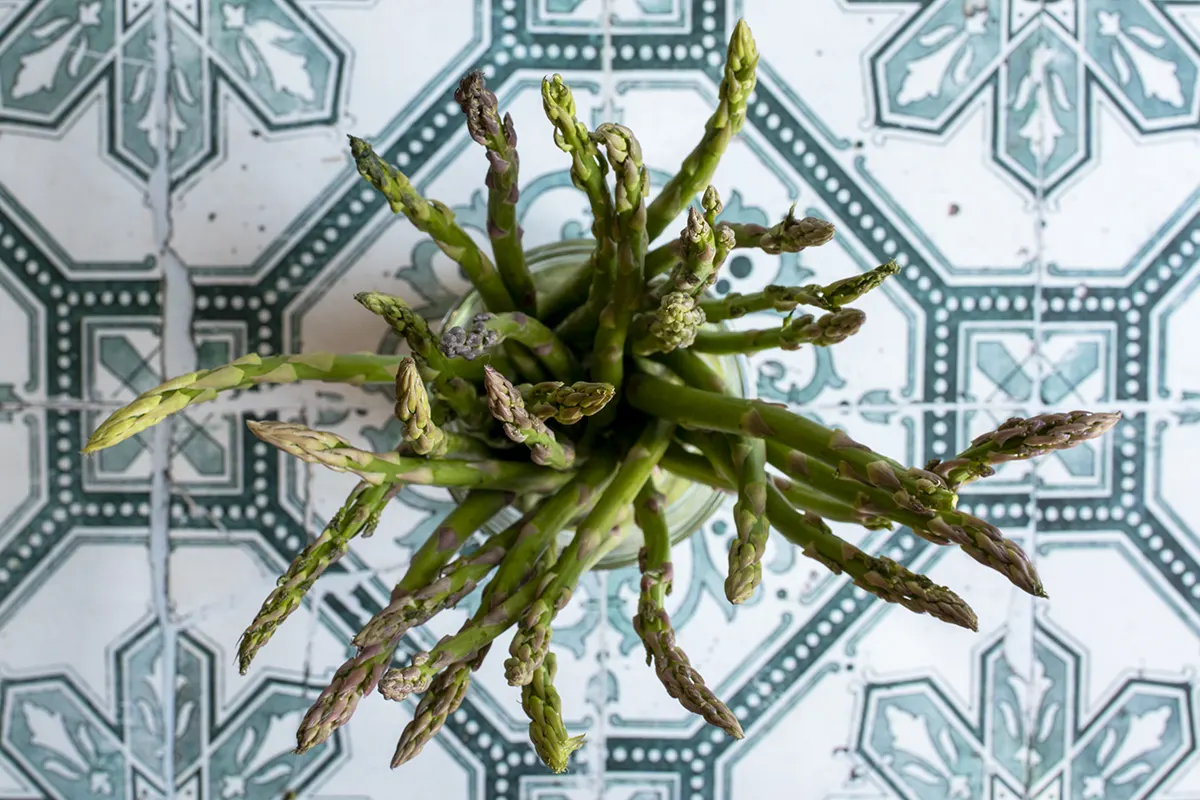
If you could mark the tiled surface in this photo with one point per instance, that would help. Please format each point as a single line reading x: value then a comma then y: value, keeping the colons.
x: 173, y: 201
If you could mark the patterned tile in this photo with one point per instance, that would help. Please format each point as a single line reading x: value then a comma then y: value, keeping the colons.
x: 171, y: 204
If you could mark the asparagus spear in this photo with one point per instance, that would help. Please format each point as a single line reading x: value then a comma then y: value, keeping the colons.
x: 539, y: 698
x: 551, y: 517
x: 789, y: 236
x: 653, y: 624
x: 699, y: 469
x: 880, y: 576
x: 566, y: 404
x: 543, y: 706
x: 434, y: 219
x: 499, y: 136
x: 1017, y: 439
x: 334, y: 452
x: 594, y: 537
x: 693, y: 370
x: 519, y: 425
x: 414, y: 412
x: 588, y: 168
x: 411, y: 609
x: 358, y: 516
x: 398, y: 683
x: 697, y: 170
x: 632, y: 181
x: 698, y: 250
x: 588, y: 171
x: 772, y: 298
x: 449, y: 378
x: 152, y: 407
x: 829, y: 330
x: 488, y: 330
x: 673, y: 325
x: 785, y: 298
x: 847, y: 290
x: 749, y: 518
x: 702, y: 409
x: 360, y: 674
x: 445, y: 695
x: 979, y: 539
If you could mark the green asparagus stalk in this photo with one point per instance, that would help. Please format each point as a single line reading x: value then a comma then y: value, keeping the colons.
x: 789, y: 236
x: 879, y: 576
x: 398, y: 683
x: 693, y: 370
x: 499, y: 136
x: 979, y: 539
x: 847, y: 290
x: 411, y: 609
x: 673, y: 325
x: 445, y: 695
x: 556, y: 302
x: 358, y: 516
x: 450, y: 379
x: 772, y: 298
x: 588, y: 171
x: 565, y: 403
x: 588, y: 168
x: 506, y: 405
x: 526, y: 366
x: 701, y: 409
x: 488, y: 330
x: 550, y: 518
x: 632, y: 182
x: 359, y: 676
x: 414, y: 330
x: 1018, y: 439
x: 698, y: 250
x: 785, y: 298
x: 436, y: 220
x: 543, y: 706
x: 699, y: 469
x: 414, y: 413
x: 594, y: 537
x: 827, y: 331
x: 749, y: 518
x: 537, y: 535
x: 334, y: 452
x: 653, y: 624
x: 743, y: 461
x: 152, y: 407
x: 697, y: 170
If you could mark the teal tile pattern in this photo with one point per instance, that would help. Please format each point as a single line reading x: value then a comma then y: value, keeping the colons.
x: 125, y: 578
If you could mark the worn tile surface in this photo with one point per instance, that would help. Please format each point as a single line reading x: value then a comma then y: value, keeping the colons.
x: 175, y: 191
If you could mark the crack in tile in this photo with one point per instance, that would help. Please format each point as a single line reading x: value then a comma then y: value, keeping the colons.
x: 178, y: 357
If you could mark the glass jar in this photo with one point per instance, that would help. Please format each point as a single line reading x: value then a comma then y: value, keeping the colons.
x: 689, y: 505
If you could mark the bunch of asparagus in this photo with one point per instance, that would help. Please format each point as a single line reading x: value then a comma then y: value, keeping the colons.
x: 602, y: 382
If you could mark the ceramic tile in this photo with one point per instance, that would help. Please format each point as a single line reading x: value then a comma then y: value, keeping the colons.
x: 75, y: 655
x: 169, y: 205
x: 1114, y: 676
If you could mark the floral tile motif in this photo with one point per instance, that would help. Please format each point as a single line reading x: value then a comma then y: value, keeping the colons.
x: 923, y: 746
x: 1042, y: 65
x: 170, y: 205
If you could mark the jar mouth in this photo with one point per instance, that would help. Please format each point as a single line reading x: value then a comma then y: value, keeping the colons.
x: 689, y: 504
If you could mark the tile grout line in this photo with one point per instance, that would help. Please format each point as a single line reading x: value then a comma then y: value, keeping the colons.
x: 599, y: 778
x: 1028, y: 603
x: 178, y: 357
